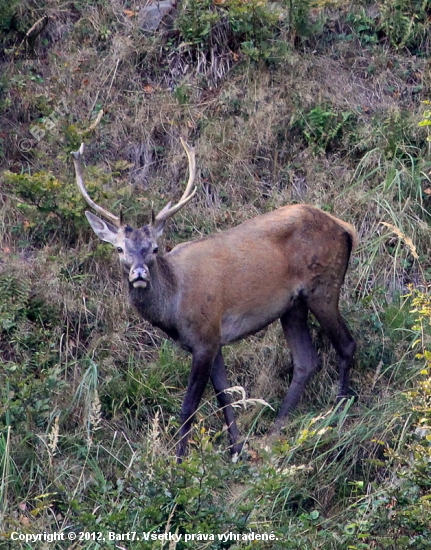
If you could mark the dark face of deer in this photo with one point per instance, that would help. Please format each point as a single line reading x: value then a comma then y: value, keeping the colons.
x: 137, y: 248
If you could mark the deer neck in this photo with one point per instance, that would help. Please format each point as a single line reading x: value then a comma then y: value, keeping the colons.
x: 157, y: 303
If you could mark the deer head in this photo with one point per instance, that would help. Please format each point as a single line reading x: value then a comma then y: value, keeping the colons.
x: 137, y: 248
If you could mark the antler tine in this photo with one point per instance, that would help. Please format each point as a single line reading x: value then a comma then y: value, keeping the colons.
x: 188, y: 194
x: 77, y: 161
x: 192, y: 168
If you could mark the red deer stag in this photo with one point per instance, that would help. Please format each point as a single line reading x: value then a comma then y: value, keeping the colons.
x: 216, y: 290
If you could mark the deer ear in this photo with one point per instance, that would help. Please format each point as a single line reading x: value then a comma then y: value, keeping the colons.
x: 158, y: 228
x: 104, y: 230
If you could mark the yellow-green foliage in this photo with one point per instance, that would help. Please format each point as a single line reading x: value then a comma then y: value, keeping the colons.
x: 426, y: 118
x: 398, y: 514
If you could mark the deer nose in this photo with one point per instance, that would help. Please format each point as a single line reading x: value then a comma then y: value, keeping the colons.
x: 139, y: 274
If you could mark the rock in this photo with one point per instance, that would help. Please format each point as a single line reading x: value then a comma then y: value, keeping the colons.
x: 151, y: 15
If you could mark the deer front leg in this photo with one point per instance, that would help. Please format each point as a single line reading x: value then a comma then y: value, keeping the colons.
x: 202, y: 363
x: 220, y: 383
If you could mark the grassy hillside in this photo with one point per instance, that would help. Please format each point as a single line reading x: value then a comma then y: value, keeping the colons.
x: 297, y: 102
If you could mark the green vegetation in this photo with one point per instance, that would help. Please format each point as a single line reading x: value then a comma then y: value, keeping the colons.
x: 300, y: 101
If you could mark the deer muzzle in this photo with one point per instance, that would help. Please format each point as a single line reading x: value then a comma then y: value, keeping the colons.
x: 139, y: 276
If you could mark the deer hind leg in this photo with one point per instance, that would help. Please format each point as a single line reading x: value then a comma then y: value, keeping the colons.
x: 220, y: 383
x: 335, y: 328
x: 305, y: 360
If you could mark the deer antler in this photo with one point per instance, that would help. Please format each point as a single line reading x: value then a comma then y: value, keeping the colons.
x: 77, y: 161
x: 164, y: 214
x: 188, y: 194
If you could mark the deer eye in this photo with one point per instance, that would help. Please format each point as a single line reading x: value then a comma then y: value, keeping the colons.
x: 155, y: 249
x: 120, y: 250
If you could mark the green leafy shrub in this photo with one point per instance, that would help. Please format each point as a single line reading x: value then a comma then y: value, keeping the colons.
x: 401, y: 23
x: 49, y: 205
x: 363, y: 26
x: 229, y: 25
x: 46, y: 203
x: 406, y: 23
x: 322, y: 127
